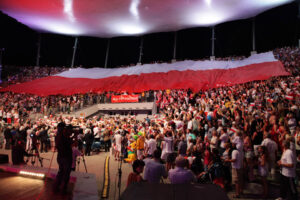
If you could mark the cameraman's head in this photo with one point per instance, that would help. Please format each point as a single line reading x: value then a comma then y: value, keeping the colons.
x: 68, y: 130
x: 60, y: 127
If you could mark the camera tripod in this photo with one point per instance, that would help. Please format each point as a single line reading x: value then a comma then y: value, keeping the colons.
x: 78, y: 162
x: 35, y: 156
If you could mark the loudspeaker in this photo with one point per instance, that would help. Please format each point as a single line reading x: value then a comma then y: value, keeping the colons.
x: 3, y: 158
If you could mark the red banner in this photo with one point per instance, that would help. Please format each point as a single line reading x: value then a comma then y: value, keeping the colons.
x: 124, y: 98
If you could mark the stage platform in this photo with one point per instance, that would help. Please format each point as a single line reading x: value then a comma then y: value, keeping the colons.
x: 84, y: 185
x: 26, y: 188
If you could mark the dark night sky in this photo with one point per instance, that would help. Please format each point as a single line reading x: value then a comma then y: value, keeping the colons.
x: 275, y: 28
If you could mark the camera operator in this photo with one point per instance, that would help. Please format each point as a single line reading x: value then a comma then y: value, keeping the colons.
x: 80, y: 139
x: 8, y: 137
x: 88, y: 139
x: 18, y: 152
x: 44, y: 139
x: 29, y: 139
x: 34, y: 140
x: 63, y: 143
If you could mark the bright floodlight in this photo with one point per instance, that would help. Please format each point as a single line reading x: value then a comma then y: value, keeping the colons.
x: 68, y: 9
x: 208, y: 2
x: 62, y: 28
x: 134, y: 8
x: 110, y: 18
x: 207, y: 17
x: 124, y: 28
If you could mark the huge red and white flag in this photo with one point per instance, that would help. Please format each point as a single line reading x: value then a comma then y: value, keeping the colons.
x: 196, y: 75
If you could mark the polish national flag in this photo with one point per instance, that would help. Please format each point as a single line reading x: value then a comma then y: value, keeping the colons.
x: 232, y: 129
x: 289, y: 97
x: 270, y: 100
x: 196, y: 75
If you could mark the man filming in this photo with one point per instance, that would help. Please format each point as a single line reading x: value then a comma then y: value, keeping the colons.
x: 18, y: 152
x: 63, y: 144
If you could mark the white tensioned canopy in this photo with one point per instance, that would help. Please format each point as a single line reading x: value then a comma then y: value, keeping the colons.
x: 111, y: 18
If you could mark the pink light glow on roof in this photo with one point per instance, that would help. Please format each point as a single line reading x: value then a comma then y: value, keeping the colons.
x: 111, y: 18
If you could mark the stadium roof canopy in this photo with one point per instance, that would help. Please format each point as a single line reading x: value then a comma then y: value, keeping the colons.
x: 111, y: 18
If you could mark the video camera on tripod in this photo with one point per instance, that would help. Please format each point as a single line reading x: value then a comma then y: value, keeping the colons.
x: 81, y: 157
x: 73, y: 132
x: 35, y: 156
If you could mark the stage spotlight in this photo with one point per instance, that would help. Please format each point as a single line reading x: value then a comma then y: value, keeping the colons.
x: 32, y: 174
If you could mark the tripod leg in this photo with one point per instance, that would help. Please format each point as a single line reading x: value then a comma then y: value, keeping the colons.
x: 37, y: 156
x: 85, y: 167
x: 32, y: 158
x: 28, y: 157
x: 33, y: 161
x: 40, y: 159
x: 78, y: 163
x: 83, y: 160
x: 41, y: 162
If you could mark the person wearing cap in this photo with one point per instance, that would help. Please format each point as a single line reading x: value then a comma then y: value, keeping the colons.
x: 180, y: 174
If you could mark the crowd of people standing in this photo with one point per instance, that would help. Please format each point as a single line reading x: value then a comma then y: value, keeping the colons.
x: 235, y: 134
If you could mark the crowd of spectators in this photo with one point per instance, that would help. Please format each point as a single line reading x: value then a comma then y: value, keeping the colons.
x: 15, y: 107
x: 289, y: 56
x: 236, y: 134
x: 14, y: 75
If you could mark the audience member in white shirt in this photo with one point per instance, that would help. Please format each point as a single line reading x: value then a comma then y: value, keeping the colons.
x: 288, y: 189
x: 272, y: 151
